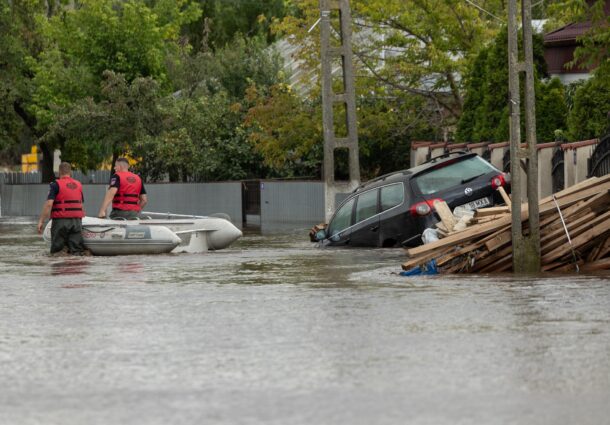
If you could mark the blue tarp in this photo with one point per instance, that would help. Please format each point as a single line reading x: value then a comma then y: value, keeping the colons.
x: 428, y: 268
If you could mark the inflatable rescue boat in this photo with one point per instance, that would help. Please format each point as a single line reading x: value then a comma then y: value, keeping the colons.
x: 156, y: 233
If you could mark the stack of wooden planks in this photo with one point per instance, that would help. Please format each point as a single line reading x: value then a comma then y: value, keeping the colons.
x: 485, y: 245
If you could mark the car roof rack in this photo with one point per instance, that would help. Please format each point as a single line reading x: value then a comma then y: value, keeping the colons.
x: 446, y: 155
x: 380, y: 178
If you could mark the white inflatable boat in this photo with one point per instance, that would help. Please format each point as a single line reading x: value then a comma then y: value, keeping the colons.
x: 156, y: 233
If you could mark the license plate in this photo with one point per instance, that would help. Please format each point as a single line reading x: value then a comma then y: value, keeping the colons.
x: 477, y: 203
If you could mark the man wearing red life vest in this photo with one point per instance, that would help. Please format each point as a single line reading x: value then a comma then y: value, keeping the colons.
x: 126, y: 192
x: 65, y: 206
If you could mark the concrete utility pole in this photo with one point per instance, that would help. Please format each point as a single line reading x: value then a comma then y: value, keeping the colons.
x: 341, y: 51
x: 526, y: 248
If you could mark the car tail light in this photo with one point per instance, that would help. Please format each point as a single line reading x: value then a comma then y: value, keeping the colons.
x: 423, y: 208
x: 498, y: 181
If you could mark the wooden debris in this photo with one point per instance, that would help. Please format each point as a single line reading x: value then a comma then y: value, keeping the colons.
x: 444, y: 212
x: 505, y: 196
x: 485, y: 245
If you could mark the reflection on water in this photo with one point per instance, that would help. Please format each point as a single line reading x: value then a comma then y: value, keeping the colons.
x: 74, y: 265
x: 274, y: 331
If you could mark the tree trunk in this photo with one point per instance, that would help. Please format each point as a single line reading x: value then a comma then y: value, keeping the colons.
x: 46, y: 164
x: 47, y: 153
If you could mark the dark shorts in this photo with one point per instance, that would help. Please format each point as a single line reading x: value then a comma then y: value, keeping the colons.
x: 123, y: 214
x: 67, y: 233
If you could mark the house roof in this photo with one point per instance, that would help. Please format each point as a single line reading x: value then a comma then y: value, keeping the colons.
x: 567, y: 33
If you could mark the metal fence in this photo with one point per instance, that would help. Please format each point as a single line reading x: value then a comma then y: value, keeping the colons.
x: 35, y: 177
x: 274, y: 203
x: 599, y: 163
x: 290, y: 203
x: 179, y: 198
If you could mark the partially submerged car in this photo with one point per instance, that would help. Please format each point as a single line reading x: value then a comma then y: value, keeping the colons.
x: 394, y: 209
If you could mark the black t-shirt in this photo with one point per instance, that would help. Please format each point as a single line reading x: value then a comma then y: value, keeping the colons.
x: 115, y: 181
x: 53, y: 191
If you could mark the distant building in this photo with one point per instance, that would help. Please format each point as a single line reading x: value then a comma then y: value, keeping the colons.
x: 559, y: 46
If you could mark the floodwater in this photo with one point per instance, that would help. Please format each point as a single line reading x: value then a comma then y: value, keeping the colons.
x: 275, y: 331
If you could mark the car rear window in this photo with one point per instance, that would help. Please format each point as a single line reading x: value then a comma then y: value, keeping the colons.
x: 451, y: 175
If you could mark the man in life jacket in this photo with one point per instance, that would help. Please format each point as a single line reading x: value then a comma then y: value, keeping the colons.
x: 65, y: 206
x: 126, y: 192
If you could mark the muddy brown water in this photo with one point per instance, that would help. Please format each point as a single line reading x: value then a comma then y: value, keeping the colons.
x: 275, y: 331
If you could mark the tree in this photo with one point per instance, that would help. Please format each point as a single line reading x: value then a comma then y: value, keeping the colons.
x: 590, y: 115
x: 551, y: 110
x: 12, y: 81
x: 19, y: 39
x: 80, y: 44
x: 286, y: 131
x: 485, y: 115
x: 92, y: 131
x: 223, y: 19
x: 209, y: 143
x: 417, y: 48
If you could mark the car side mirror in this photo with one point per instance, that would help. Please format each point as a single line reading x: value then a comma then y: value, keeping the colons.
x: 321, y: 235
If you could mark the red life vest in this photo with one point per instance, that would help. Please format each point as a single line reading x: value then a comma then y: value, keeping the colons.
x: 69, y: 200
x: 128, y: 196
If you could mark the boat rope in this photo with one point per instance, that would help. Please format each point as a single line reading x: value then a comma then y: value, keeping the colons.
x: 568, y: 235
x: 104, y: 230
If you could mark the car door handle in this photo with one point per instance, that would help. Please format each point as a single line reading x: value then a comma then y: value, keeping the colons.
x: 374, y: 228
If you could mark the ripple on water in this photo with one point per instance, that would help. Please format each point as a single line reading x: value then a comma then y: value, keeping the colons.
x: 264, y: 330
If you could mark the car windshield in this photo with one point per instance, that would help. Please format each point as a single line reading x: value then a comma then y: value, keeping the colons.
x: 342, y: 219
x: 451, y: 175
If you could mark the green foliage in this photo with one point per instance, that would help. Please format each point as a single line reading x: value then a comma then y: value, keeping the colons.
x: 94, y: 131
x: 188, y: 138
x: 12, y: 55
x: 245, y: 61
x: 19, y: 39
x: 589, y: 117
x: 81, y: 44
x: 56, y: 84
x: 126, y: 37
x: 486, y: 113
x: 100, y: 75
x: 285, y: 130
x: 386, y: 129
x: 242, y: 62
x: 551, y: 110
x: 223, y: 19
x: 427, y: 45
x: 470, y: 125
x: 200, y: 141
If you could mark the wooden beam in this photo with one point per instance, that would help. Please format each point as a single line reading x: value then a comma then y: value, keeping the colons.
x: 603, y: 264
x: 505, y: 197
x: 558, y: 237
x: 422, y: 259
x: 599, y: 227
x: 443, y: 211
x: 484, y: 212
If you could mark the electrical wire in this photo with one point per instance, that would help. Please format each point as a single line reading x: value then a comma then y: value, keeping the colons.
x: 485, y: 11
